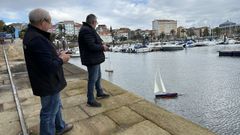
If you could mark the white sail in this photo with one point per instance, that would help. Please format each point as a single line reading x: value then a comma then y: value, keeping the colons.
x: 109, y: 65
x: 156, y: 88
x: 162, y: 84
x: 159, y: 87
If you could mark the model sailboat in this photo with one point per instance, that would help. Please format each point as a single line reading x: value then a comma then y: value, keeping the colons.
x: 160, y: 90
x: 109, y: 66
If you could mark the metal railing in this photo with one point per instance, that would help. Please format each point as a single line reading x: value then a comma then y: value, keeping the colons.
x: 15, y: 95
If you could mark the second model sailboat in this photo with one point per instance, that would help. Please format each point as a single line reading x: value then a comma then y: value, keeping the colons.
x: 160, y: 90
x: 109, y: 66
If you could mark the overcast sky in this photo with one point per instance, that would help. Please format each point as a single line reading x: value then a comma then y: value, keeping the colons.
x: 127, y: 13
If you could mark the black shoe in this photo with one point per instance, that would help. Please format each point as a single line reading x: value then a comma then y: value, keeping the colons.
x: 67, y: 128
x: 94, y: 104
x: 103, y: 96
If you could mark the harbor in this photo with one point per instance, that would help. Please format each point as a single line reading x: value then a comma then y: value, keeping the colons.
x: 124, y: 113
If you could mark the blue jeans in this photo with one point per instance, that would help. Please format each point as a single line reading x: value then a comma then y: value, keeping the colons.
x: 50, y: 115
x: 94, y: 79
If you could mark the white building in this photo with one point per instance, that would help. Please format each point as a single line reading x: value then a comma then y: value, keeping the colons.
x: 164, y: 26
x: 77, y: 27
x: 104, y: 33
x: 69, y: 27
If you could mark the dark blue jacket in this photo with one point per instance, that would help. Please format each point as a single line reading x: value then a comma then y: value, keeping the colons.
x: 43, y: 64
x: 90, y: 45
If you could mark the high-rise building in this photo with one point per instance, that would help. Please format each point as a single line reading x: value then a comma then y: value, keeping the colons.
x: 165, y: 26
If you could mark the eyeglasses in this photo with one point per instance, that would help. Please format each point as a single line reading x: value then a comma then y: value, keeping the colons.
x: 47, y: 20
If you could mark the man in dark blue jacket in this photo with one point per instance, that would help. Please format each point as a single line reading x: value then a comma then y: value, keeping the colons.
x: 92, y: 55
x: 45, y: 72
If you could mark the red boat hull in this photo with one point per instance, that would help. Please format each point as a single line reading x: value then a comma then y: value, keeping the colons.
x: 166, y: 95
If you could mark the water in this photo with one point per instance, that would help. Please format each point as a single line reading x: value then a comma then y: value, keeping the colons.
x: 209, y: 83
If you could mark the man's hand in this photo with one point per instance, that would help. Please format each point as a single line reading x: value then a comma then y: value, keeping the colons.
x: 65, y: 57
x: 105, y: 47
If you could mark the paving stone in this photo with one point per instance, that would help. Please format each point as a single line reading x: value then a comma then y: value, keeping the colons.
x: 6, y: 82
x: 4, y: 76
x: 75, y: 92
x: 8, y: 116
x: 10, y: 128
x: 9, y: 106
x: 5, y: 88
x: 25, y: 93
x: 34, y: 130
x: 170, y: 122
x: 144, y: 128
x: 112, y: 88
x: 74, y: 100
x: 73, y: 114
x: 31, y: 110
x: 111, y: 103
x: 76, y: 84
x: 97, y: 125
x: 63, y: 94
x: 124, y: 117
x: 73, y: 69
x: 66, y: 73
x: 31, y: 101
x: 33, y: 121
x: 6, y: 97
x: 23, y: 101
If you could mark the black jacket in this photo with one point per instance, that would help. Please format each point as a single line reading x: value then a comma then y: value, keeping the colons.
x: 43, y: 64
x: 90, y: 45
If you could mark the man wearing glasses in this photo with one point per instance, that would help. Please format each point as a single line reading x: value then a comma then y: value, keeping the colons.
x: 45, y: 72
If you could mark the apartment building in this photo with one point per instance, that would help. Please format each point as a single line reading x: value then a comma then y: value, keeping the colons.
x: 164, y: 26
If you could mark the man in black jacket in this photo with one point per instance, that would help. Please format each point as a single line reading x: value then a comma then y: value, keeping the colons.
x: 92, y: 55
x: 45, y: 72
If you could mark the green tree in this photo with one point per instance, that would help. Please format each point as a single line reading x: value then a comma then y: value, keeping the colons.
x: 183, y: 32
x: 162, y: 35
x: 22, y: 33
x: 173, y: 32
x: 205, y: 32
x: 217, y: 31
x: 152, y: 35
x: 62, y: 30
x: 238, y: 31
x: 190, y: 32
x: 1, y: 25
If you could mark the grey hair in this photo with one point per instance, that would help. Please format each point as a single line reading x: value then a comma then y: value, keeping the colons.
x: 90, y: 18
x: 38, y: 15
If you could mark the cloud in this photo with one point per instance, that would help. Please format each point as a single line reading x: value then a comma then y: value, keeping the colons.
x: 128, y: 13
